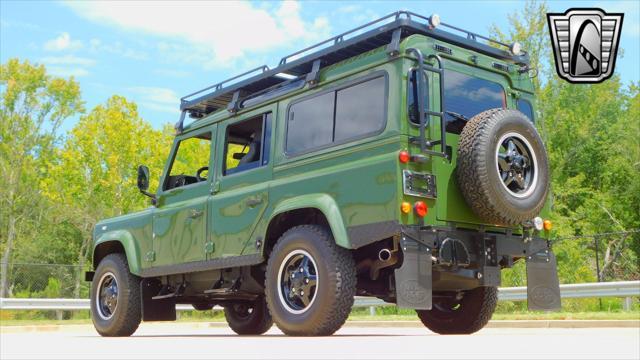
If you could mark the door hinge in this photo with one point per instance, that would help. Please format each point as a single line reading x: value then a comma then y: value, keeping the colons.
x: 150, y: 256
x: 215, y: 187
x: 209, y: 247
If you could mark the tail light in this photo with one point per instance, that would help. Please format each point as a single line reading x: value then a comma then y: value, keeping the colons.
x: 404, y: 156
x: 421, y: 208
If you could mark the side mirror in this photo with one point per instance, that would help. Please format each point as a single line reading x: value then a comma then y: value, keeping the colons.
x: 143, y: 182
x: 143, y: 178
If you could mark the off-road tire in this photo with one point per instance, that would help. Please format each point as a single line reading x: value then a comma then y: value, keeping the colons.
x: 127, y: 315
x: 474, y: 312
x: 255, y: 323
x: 336, y: 282
x: 478, y: 178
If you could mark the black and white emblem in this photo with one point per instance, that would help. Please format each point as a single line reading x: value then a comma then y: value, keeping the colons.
x: 585, y: 43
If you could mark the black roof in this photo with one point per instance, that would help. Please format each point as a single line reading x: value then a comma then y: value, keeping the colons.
x: 391, y: 30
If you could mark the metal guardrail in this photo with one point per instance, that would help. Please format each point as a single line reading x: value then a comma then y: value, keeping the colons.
x: 623, y: 289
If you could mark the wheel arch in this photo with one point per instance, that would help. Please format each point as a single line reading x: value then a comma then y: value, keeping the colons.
x: 117, y: 242
x: 318, y: 209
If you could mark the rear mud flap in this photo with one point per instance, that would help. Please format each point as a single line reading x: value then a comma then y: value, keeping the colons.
x: 543, y: 287
x: 413, y: 278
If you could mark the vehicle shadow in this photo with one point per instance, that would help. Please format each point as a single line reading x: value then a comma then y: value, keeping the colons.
x: 260, y: 336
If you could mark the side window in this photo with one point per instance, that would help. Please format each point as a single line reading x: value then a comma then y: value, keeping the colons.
x: 525, y: 107
x: 337, y: 116
x: 190, y: 164
x: 310, y: 123
x: 247, y: 144
x: 467, y: 95
x: 360, y: 109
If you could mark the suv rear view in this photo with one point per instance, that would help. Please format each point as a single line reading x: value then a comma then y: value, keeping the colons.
x: 400, y: 162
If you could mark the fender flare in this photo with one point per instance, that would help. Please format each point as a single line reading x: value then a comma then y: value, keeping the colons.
x: 126, y: 239
x: 325, y: 204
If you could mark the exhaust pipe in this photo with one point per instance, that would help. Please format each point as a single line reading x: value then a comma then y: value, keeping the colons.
x: 384, y: 255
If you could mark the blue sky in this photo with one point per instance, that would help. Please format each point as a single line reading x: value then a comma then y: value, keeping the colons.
x: 154, y: 53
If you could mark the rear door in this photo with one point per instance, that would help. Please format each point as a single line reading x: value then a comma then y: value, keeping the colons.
x: 467, y: 91
x: 241, y: 190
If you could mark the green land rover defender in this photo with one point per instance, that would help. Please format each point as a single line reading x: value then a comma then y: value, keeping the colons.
x: 399, y: 161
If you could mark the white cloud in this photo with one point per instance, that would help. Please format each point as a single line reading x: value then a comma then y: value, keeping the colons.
x: 62, y: 42
x: 218, y: 32
x: 19, y: 25
x: 67, y: 65
x: 68, y: 60
x: 96, y: 45
x: 157, y: 98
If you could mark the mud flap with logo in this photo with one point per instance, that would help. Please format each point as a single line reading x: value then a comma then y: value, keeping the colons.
x: 413, y: 278
x: 543, y: 287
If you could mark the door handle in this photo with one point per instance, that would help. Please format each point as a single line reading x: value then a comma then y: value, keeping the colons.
x: 195, y: 213
x: 253, y: 202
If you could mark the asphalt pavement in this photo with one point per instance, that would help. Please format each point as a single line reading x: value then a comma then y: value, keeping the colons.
x: 188, y: 341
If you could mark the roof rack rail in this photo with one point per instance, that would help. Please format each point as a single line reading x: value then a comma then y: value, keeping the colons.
x: 387, y: 30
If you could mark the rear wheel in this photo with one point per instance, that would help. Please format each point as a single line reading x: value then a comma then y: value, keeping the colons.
x: 115, y: 298
x: 464, y: 315
x: 310, y: 282
x: 248, y: 318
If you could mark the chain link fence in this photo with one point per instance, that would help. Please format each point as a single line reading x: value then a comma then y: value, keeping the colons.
x: 30, y: 280
x: 603, y: 257
x: 589, y: 258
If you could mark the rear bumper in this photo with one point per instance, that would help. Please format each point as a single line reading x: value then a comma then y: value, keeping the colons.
x: 442, y: 259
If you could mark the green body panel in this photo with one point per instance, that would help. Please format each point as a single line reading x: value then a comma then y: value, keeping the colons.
x: 133, y: 231
x: 353, y: 183
x: 179, y: 236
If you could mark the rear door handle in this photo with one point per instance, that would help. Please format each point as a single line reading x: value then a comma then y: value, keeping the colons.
x: 195, y: 213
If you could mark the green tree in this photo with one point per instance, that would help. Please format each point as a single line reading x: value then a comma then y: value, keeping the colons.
x: 95, y: 174
x: 33, y: 105
x: 594, y: 153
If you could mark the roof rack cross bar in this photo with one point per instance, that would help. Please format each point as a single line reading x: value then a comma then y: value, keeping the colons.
x: 218, y: 86
x: 340, y: 38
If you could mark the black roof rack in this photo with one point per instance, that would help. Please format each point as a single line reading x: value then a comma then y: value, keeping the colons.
x: 391, y: 30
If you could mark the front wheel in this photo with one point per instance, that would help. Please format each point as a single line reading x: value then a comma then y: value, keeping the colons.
x: 115, y: 298
x: 248, y: 318
x: 310, y: 282
x: 461, y: 315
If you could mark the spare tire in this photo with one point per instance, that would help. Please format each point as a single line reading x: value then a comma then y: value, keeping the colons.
x: 502, y: 167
